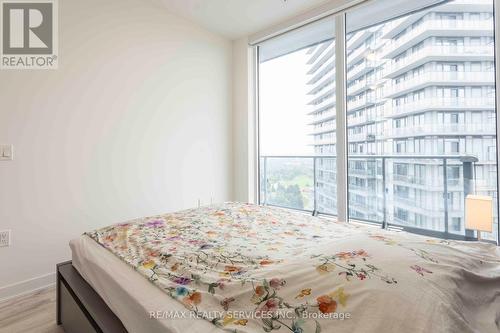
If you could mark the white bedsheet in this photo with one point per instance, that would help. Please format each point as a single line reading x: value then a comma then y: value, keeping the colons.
x: 128, y: 294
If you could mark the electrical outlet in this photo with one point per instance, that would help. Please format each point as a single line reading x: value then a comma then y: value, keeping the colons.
x: 4, y: 238
x: 6, y: 152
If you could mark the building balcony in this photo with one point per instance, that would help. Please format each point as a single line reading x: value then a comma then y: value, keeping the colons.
x: 441, y: 78
x: 362, y: 190
x: 359, y: 103
x: 394, y: 27
x: 441, y: 104
x: 364, y: 67
x: 327, y: 69
x: 324, y: 129
x: 358, y: 54
x: 323, y: 105
x: 363, y: 119
x: 327, y: 76
x: 323, y: 87
x: 363, y: 137
x: 321, y: 95
x: 425, y: 184
x: 278, y: 173
x: 365, y: 172
x: 319, y: 51
x: 444, y: 129
x: 359, y: 87
x: 325, y: 141
x: 325, y: 116
x: 408, y: 179
x: 410, y: 205
x: 354, y: 41
x: 467, y: 6
x: 432, y: 28
x: 328, y: 185
x: 438, y: 53
x: 353, y: 121
x: 361, y: 205
x: 489, y: 184
x: 327, y: 59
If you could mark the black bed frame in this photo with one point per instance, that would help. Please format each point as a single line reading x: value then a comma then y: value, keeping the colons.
x: 79, y: 308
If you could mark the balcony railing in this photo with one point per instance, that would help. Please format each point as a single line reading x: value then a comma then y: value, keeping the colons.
x: 327, y: 70
x: 441, y: 77
x: 436, y: 52
x: 444, y: 129
x: 359, y: 103
x: 298, y: 182
x: 359, y: 86
x: 324, y: 129
x: 362, y: 68
x: 442, y: 103
x: 326, y: 56
x: 364, y: 136
x: 394, y: 27
x: 323, y: 116
x: 327, y: 85
x: 323, y: 104
x: 432, y: 27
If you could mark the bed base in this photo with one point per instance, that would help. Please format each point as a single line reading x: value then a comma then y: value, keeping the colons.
x: 79, y: 308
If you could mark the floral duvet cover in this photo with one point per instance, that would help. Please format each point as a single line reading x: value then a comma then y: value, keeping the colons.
x: 248, y: 268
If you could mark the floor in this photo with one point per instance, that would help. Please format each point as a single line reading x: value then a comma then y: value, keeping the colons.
x: 30, y: 313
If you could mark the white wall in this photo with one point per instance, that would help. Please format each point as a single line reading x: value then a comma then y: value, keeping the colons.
x: 136, y: 121
x: 244, y: 143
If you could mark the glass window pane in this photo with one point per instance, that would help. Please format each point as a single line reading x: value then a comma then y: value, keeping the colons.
x: 297, y: 119
x: 421, y: 116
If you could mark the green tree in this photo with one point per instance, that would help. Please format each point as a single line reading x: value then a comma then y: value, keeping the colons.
x: 288, y: 196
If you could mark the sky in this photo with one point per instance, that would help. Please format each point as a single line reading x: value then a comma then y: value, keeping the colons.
x: 283, y: 106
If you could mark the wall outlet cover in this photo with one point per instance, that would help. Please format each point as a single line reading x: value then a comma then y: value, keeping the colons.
x: 4, y: 238
x: 6, y: 152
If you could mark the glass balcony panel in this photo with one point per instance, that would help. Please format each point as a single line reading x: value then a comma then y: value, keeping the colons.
x: 365, y: 188
x: 326, y: 185
x: 287, y: 182
x: 415, y: 193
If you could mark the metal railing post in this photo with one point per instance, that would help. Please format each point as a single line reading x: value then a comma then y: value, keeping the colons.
x: 315, y: 185
x: 468, y: 182
x: 384, y: 196
x: 445, y: 194
x: 265, y: 180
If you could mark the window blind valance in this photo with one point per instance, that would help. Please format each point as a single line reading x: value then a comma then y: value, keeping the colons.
x: 367, y: 14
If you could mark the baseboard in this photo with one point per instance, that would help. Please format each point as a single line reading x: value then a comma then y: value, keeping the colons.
x: 27, y: 286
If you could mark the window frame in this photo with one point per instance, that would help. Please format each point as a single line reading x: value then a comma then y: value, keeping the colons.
x: 342, y: 145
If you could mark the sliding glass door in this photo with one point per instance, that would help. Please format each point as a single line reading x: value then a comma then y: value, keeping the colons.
x: 419, y: 108
x: 297, y: 119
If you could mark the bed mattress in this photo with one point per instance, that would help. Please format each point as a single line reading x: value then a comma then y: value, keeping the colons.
x: 132, y: 298
x: 260, y: 259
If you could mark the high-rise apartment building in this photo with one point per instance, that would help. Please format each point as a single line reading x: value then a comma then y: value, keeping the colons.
x: 420, y: 109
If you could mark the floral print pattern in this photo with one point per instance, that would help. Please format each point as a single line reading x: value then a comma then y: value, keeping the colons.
x: 243, y: 257
x: 420, y: 270
x: 345, y: 261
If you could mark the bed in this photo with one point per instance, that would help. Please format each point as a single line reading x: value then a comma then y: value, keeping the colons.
x: 245, y: 268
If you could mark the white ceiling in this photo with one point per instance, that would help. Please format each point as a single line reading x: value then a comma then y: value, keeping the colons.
x: 238, y: 18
